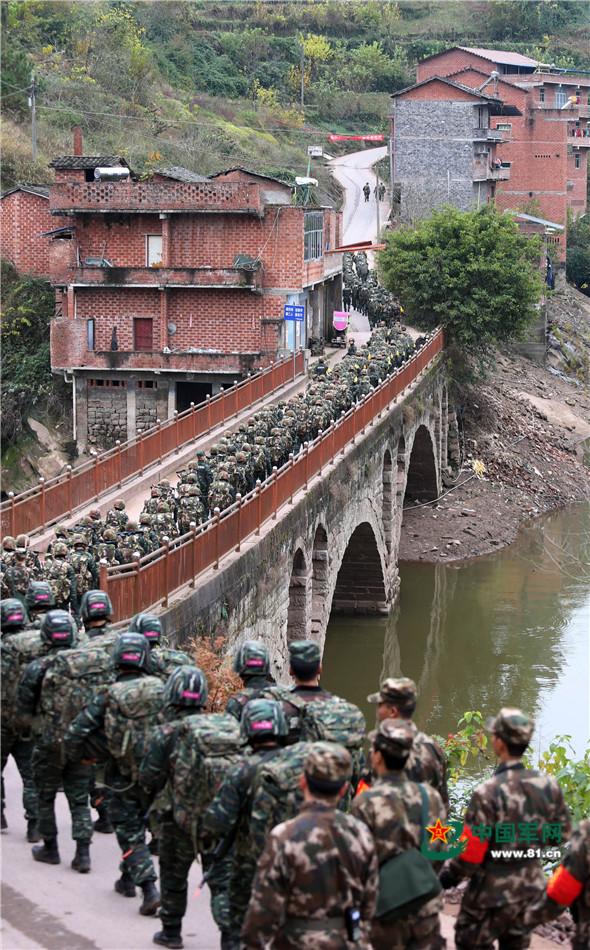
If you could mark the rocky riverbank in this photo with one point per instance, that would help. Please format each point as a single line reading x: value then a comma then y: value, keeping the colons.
x: 525, y: 435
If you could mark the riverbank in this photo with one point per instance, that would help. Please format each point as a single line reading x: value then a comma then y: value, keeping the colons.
x: 527, y: 425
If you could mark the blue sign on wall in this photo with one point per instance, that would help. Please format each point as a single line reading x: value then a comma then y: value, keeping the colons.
x: 294, y: 313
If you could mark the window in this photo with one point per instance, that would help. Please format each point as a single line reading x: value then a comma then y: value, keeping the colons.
x: 154, y: 250
x: 91, y: 334
x: 313, y: 235
x: 107, y: 384
x: 560, y: 98
x: 542, y: 94
x: 577, y: 160
x: 504, y: 126
x: 146, y: 384
x: 143, y: 334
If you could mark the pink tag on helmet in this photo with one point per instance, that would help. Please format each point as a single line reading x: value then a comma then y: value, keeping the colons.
x: 254, y: 662
x: 187, y: 694
x: 265, y: 724
x: 130, y: 656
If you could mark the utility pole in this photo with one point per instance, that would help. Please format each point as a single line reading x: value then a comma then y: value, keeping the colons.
x: 302, y: 67
x: 377, y: 203
x: 33, y: 116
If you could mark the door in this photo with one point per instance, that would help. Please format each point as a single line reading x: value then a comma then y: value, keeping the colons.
x: 142, y: 334
x: 154, y: 250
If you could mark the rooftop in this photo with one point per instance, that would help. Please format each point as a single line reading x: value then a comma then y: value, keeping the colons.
x: 87, y: 161
x: 248, y: 171
x: 41, y: 190
x: 502, y: 56
x: 178, y: 173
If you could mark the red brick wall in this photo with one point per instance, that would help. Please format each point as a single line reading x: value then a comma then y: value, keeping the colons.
x: 24, y: 216
x: 449, y: 62
x: 437, y: 91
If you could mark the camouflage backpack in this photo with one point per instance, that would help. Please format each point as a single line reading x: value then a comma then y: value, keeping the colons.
x: 276, y: 793
x: 56, y: 574
x: 69, y: 683
x: 79, y: 562
x: 16, y: 652
x: 163, y: 662
x: 336, y: 720
x: 133, y: 709
x: 206, y: 748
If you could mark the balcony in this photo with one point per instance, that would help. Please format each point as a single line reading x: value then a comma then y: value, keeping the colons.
x: 487, y: 135
x: 144, y: 197
x: 224, y: 278
x: 483, y: 172
x: 579, y: 141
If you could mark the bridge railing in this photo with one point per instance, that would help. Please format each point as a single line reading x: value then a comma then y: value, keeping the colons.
x: 150, y: 580
x: 50, y: 501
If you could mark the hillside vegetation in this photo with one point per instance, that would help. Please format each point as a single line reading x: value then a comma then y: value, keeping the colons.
x: 211, y: 85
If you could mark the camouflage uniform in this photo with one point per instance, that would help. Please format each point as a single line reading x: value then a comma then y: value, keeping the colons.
x: 16, y: 578
x: 392, y: 809
x: 426, y: 762
x: 49, y: 768
x: 61, y: 578
x: 85, y: 569
x: 500, y: 889
x: 127, y: 803
x: 230, y: 812
x: 313, y: 869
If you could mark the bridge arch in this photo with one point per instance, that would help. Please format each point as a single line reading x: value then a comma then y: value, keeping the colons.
x: 319, y: 581
x: 422, y: 478
x: 387, y: 500
x: 359, y: 585
x: 298, y: 593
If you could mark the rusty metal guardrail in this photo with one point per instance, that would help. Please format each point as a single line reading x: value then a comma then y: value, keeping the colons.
x: 48, y: 502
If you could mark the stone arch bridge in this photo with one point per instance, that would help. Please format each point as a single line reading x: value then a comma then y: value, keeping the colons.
x: 335, y: 547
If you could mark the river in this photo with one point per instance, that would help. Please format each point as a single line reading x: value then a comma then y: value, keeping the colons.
x: 509, y: 629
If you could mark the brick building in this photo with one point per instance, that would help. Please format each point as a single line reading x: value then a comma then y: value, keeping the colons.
x: 24, y: 216
x: 541, y: 138
x: 170, y: 288
x: 445, y: 154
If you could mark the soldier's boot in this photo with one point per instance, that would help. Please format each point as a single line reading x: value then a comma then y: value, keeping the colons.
x: 169, y: 937
x: 32, y: 833
x: 3, y: 822
x: 153, y: 845
x: 47, y: 853
x: 81, y: 861
x: 151, y: 899
x: 125, y: 885
x: 103, y: 823
x: 228, y: 941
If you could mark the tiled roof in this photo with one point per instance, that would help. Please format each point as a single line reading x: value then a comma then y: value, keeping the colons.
x: 86, y: 161
x: 479, y: 94
x: 41, y: 190
x: 180, y: 174
x: 502, y: 56
x: 248, y: 171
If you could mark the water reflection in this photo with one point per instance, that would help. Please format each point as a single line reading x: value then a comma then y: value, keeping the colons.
x: 509, y: 629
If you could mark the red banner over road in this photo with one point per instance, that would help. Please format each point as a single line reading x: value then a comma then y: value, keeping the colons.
x: 357, y: 138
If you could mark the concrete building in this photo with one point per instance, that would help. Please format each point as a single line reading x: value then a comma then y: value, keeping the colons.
x: 540, y: 136
x: 168, y: 289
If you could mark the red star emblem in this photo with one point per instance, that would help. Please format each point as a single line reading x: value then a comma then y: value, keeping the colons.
x: 439, y: 832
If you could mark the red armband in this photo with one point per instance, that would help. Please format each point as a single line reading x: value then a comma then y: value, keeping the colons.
x: 563, y: 887
x: 476, y: 849
x: 362, y: 787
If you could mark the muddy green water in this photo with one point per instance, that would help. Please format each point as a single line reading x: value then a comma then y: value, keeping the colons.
x: 511, y: 629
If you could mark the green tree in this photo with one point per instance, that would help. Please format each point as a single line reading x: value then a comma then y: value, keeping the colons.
x: 577, y: 268
x: 469, y: 271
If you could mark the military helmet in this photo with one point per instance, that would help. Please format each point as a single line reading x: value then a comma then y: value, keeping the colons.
x: 242, y: 457
x: 187, y: 686
x: 131, y: 526
x: 191, y: 478
x: 252, y: 659
x: 87, y: 522
x: 59, y: 629
x: 131, y: 650
x: 164, y: 483
x: 163, y: 506
x: 262, y: 718
x: 60, y: 549
x: 95, y: 605
x: 193, y: 490
x: 119, y: 505
x: 155, y: 491
x: 60, y: 531
x: 39, y: 596
x: 144, y: 518
x: 149, y: 626
x: 109, y: 534
x: 192, y: 465
x: 9, y: 544
x: 21, y: 541
x: 78, y: 540
x: 12, y: 614
x: 94, y: 513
